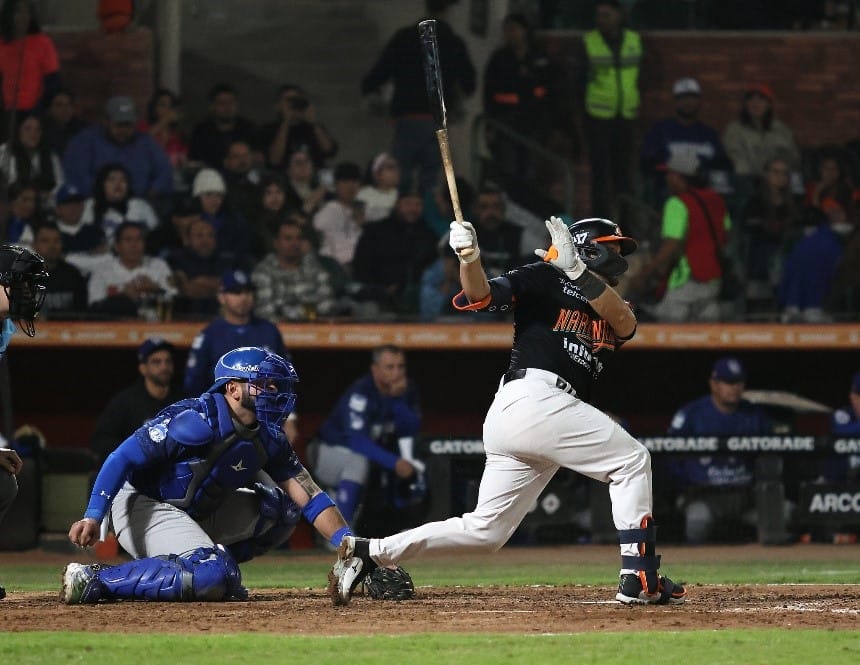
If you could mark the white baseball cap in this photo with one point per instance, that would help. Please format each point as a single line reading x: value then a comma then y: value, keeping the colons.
x: 208, y: 180
x: 686, y: 86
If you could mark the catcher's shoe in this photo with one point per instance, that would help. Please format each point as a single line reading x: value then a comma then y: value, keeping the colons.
x: 632, y: 592
x: 352, y: 566
x: 80, y: 584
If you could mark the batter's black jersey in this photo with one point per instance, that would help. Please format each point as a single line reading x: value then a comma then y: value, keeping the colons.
x: 555, y: 329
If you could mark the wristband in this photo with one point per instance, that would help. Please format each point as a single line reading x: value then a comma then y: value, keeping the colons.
x: 338, y: 535
x: 316, y: 505
x: 589, y: 285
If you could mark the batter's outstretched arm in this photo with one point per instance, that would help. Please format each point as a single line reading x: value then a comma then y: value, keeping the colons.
x: 473, y: 279
x: 615, y: 312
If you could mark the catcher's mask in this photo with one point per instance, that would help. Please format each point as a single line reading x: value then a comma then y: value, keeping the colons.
x: 273, y: 377
x: 589, y: 236
x: 23, y: 275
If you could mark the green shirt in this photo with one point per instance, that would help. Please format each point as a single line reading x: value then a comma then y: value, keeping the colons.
x: 676, y: 221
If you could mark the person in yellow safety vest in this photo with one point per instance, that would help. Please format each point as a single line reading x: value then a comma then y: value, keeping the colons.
x: 611, y: 63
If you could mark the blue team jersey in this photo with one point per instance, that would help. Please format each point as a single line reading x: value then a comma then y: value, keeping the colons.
x: 218, y: 338
x: 370, y: 423
x: 170, y: 461
x: 845, y: 422
x: 702, y: 418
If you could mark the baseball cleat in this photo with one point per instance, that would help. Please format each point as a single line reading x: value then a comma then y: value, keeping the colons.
x: 80, y: 584
x: 352, y: 566
x: 631, y: 592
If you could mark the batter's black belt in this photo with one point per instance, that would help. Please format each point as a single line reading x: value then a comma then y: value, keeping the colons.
x: 560, y: 383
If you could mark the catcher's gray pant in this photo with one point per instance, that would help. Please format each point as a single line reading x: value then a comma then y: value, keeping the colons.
x: 146, y: 527
x: 8, y: 491
x: 532, y: 429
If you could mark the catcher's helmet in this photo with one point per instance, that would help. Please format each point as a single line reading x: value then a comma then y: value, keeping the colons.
x: 274, y: 377
x: 23, y: 275
x: 589, y: 235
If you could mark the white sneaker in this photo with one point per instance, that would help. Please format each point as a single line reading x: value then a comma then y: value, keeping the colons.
x: 343, y: 577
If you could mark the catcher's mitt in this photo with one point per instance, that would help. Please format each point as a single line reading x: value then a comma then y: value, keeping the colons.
x: 390, y: 584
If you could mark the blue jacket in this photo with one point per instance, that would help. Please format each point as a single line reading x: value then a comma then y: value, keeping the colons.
x: 145, y: 160
x: 370, y: 423
x: 192, y: 455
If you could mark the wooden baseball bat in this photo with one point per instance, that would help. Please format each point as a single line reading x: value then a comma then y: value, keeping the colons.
x: 436, y: 96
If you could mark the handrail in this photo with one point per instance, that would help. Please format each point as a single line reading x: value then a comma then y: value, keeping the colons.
x: 479, y: 125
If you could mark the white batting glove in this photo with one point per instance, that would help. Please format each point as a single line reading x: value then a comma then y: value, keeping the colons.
x: 562, y: 254
x: 464, y: 241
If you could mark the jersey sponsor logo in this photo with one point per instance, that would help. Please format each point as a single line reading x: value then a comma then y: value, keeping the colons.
x: 158, y: 433
x: 357, y: 402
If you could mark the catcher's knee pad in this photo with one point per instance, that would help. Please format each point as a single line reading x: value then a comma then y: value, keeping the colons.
x: 214, y: 574
x: 647, y: 562
x: 279, y: 516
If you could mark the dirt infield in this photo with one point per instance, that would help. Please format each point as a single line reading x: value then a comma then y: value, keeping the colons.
x: 496, y: 609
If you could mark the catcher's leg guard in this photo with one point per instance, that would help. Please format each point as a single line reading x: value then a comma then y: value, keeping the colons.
x: 207, y: 573
x: 279, y: 516
x: 645, y: 585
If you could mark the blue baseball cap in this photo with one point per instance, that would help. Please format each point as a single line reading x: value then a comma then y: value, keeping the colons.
x: 855, y: 383
x: 151, y: 345
x: 236, y: 281
x: 729, y: 370
x: 67, y: 193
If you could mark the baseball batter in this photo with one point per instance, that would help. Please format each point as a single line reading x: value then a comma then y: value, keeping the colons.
x: 22, y: 276
x: 568, y: 323
x: 206, y: 484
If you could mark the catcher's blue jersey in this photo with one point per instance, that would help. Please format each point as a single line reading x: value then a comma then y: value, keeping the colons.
x: 192, y: 455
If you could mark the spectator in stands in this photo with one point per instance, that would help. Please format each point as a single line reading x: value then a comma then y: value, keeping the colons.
x: 28, y: 59
x: 28, y: 158
x: 380, y: 195
x: 714, y: 492
x: 501, y: 240
x: 150, y: 173
x: 242, y: 180
x: 77, y: 236
x: 440, y: 282
x: 197, y: 270
x: 137, y: 403
x: 414, y: 145
x: 212, y: 136
x: 846, y: 421
x: 832, y: 193
x: 113, y: 202
x: 296, y: 128
x: 162, y: 123
x: 66, y: 293
x: 303, y: 189
x: 129, y: 283
x: 169, y: 237
x: 369, y: 426
x: 686, y: 268
x: 210, y: 191
x: 61, y: 121
x: 392, y: 254
x: 810, y: 268
x: 771, y: 223
x: 520, y: 90
x: 337, y: 220
x: 609, y: 77
x: 23, y: 215
x: 236, y: 326
x: 273, y: 210
x: 757, y: 135
x: 683, y: 132
x: 291, y: 283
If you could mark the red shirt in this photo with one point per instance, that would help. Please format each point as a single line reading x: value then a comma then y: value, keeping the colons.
x: 23, y: 64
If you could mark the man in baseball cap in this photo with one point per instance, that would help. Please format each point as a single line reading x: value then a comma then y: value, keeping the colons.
x: 684, y: 132
x: 141, y: 400
x: 846, y: 421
